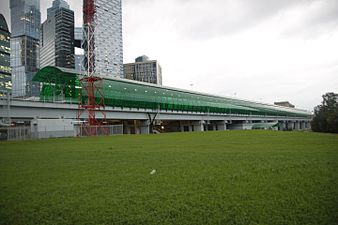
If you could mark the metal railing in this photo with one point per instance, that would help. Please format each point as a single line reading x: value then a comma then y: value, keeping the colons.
x: 99, y: 130
x: 15, y: 133
x: 26, y: 133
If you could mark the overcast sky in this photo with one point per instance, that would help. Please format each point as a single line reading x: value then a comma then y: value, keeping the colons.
x: 264, y: 50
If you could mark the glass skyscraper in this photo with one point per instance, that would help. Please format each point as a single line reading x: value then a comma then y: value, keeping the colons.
x: 79, y: 54
x: 106, y: 19
x: 5, y: 69
x: 25, y: 24
x: 57, y: 4
x: 57, y: 36
x: 78, y: 37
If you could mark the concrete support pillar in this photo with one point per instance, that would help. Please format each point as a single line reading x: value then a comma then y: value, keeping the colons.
x: 136, y: 127
x: 127, y: 129
x: 144, y: 127
x: 185, y: 126
x: 297, y: 125
x: 283, y: 125
x: 191, y: 128
x: 199, y: 126
x: 181, y: 128
x: 289, y: 125
x: 222, y: 125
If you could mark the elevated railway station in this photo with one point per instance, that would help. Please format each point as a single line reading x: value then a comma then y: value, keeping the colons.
x: 142, y: 107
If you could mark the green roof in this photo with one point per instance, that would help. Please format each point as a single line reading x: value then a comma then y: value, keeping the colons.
x: 128, y: 93
x: 56, y: 75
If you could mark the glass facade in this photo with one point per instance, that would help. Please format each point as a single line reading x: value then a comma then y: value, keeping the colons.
x: 47, y: 53
x: 78, y: 37
x: 57, y: 4
x: 5, y: 69
x: 131, y: 94
x: 57, y: 37
x: 25, y: 24
x: 106, y: 17
x: 78, y: 62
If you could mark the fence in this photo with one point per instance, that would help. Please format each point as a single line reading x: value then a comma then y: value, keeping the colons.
x: 99, y: 130
x: 15, y: 133
x: 26, y: 133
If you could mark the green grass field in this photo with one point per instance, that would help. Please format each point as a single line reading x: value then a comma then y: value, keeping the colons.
x: 232, y: 177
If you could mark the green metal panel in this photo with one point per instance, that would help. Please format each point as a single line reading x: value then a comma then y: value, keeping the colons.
x: 124, y: 93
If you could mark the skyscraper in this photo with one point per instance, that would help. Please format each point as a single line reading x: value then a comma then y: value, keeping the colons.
x: 5, y: 69
x: 144, y: 70
x: 57, y: 4
x: 25, y: 39
x: 79, y: 54
x: 105, y: 18
x: 78, y: 37
x: 57, y: 36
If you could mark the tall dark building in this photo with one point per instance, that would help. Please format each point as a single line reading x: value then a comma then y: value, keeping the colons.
x: 57, y: 36
x: 25, y: 40
x: 5, y: 67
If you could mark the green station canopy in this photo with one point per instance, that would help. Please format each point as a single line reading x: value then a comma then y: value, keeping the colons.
x: 61, y: 82
x: 56, y: 75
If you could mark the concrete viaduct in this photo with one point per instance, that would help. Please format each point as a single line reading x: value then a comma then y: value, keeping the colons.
x: 139, y: 120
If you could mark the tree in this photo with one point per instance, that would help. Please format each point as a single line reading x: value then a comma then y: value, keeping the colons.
x: 326, y: 115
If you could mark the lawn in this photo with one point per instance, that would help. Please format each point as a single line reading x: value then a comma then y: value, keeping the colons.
x: 231, y: 177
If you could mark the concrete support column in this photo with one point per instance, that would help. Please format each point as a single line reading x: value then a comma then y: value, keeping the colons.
x: 136, y: 127
x: 297, y: 125
x: 283, y: 125
x: 289, y: 125
x: 186, y: 124
x: 181, y: 128
x: 127, y: 129
x: 199, y: 126
x: 222, y: 125
x: 144, y: 127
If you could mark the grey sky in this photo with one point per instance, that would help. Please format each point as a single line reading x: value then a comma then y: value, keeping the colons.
x: 265, y: 50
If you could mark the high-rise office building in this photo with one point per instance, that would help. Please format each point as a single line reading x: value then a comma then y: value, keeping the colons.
x: 105, y: 17
x: 78, y: 37
x: 5, y: 67
x: 144, y: 70
x: 25, y: 40
x: 57, y: 36
x: 79, y: 54
x: 57, y: 4
x: 79, y: 62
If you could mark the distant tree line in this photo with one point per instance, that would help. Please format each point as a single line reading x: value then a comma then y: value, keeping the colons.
x: 326, y: 115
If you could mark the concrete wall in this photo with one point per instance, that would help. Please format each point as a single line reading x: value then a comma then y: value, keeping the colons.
x: 49, y: 128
